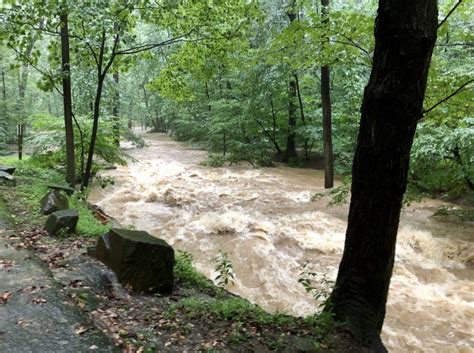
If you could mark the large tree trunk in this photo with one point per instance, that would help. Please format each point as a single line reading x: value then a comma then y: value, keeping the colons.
x: 405, y: 34
x: 67, y: 102
x: 326, y: 105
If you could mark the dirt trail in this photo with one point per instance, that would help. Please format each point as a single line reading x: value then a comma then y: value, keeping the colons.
x: 35, y: 315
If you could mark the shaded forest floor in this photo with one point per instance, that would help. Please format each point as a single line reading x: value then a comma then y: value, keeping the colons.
x: 197, y: 317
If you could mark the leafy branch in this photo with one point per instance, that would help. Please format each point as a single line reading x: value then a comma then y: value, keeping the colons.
x: 450, y: 13
x: 460, y: 89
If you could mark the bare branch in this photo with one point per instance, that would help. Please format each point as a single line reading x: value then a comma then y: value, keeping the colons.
x: 145, y: 47
x: 114, y: 52
x: 89, y: 45
x: 450, y: 13
x: 353, y: 43
x: 460, y: 89
x: 467, y: 44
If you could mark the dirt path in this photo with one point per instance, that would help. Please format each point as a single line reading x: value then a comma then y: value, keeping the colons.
x: 35, y: 315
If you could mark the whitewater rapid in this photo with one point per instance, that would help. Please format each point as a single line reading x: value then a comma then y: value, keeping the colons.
x: 265, y: 221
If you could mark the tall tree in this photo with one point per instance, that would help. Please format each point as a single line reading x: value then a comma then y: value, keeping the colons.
x: 116, y: 97
x: 116, y: 107
x: 67, y: 100
x: 326, y: 104
x: 405, y: 34
x: 290, y: 152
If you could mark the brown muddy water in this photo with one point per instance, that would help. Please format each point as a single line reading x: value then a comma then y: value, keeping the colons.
x: 264, y: 220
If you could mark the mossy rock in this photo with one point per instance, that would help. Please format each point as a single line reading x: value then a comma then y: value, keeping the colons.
x: 7, y: 169
x: 6, y: 179
x: 66, y: 219
x: 67, y: 189
x: 53, y: 201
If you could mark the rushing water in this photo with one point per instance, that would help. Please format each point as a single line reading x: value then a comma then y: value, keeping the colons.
x: 265, y: 221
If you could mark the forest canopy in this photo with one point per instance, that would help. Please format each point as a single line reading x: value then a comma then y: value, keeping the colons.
x: 242, y: 79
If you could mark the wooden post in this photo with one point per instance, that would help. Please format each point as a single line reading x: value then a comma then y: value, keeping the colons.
x: 20, y: 129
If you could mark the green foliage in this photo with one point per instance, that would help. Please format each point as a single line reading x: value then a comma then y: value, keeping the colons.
x: 34, y: 177
x: 225, y: 270
x: 339, y: 195
x: 47, y: 141
x: 319, y: 291
x: 443, y: 158
x: 222, y: 82
x: 186, y: 274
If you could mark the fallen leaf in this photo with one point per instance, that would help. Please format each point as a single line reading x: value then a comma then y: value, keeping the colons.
x: 23, y: 323
x: 6, y: 265
x: 79, y: 330
x: 5, y: 296
x: 38, y: 300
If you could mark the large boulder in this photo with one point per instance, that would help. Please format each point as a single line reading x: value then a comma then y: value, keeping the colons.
x: 54, y: 201
x: 7, y: 179
x: 7, y: 169
x: 66, y: 219
x: 143, y: 262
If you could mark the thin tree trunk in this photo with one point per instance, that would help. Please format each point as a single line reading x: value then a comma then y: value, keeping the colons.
x: 290, y: 152
x: 20, y: 133
x: 405, y: 34
x: 303, y: 119
x: 208, y: 99
x: 95, y: 126
x: 67, y: 102
x: 326, y: 105
x: 116, y: 108
x: 116, y: 99
x: 23, y: 79
x: 3, y: 123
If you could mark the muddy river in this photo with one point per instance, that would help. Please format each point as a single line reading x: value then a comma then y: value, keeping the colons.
x: 266, y: 223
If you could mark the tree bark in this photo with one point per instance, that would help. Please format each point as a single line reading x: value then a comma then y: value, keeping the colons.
x: 326, y: 105
x: 67, y: 102
x: 116, y: 108
x: 95, y: 127
x: 290, y: 152
x: 405, y: 33
x: 4, y: 115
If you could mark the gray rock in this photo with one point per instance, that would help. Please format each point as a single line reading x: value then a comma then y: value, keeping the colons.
x: 143, y: 262
x: 7, y: 179
x: 54, y: 201
x: 67, y: 189
x: 66, y: 219
x: 7, y: 169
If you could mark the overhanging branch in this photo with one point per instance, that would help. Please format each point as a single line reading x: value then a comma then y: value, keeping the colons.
x: 145, y: 47
x: 460, y: 89
x: 450, y: 13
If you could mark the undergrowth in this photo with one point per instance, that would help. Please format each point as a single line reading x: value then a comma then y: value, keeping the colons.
x: 32, y: 184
